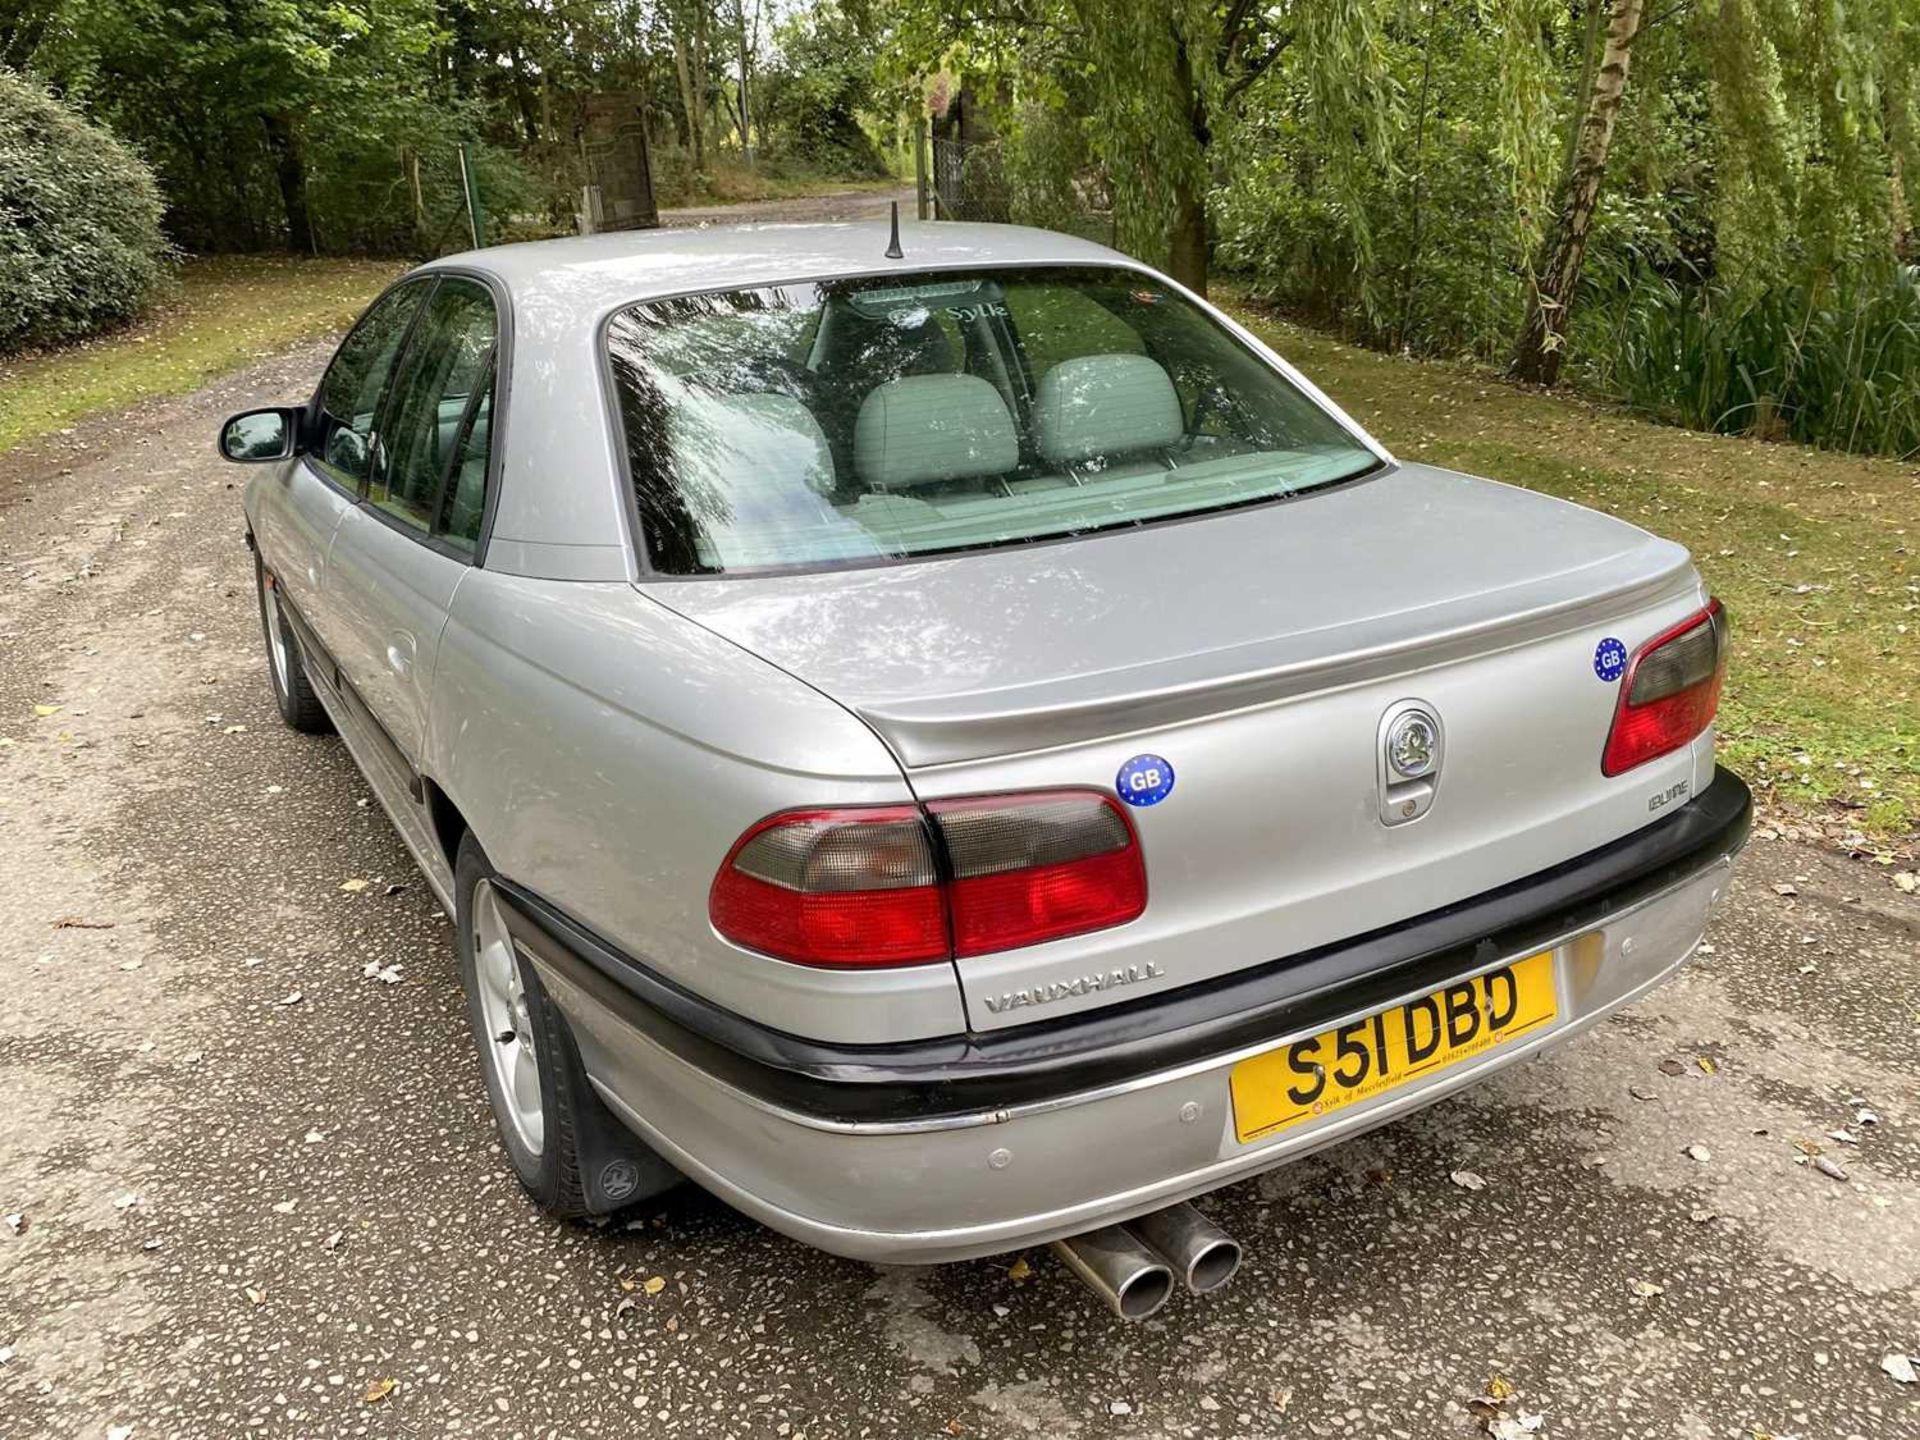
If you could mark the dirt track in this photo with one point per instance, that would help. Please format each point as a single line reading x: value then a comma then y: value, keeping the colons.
x: 255, y: 1181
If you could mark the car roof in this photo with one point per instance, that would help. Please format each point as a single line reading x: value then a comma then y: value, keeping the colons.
x: 593, y: 273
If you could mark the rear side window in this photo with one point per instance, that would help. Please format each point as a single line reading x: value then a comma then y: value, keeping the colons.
x: 355, y: 381
x: 429, y: 421
x: 464, y: 502
x: 838, y: 422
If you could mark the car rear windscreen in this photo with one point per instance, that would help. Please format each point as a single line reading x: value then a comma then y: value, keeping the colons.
x: 810, y: 425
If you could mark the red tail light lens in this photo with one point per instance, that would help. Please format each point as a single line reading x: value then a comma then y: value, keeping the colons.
x: 1670, y: 693
x: 1038, y: 867
x: 834, y: 887
x: 866, y: 886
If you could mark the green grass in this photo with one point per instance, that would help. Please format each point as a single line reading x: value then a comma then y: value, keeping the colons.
x: 225, y: 313
x: 1813, y: 553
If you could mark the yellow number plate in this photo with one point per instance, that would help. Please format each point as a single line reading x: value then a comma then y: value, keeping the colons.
x: 1310, y: 1078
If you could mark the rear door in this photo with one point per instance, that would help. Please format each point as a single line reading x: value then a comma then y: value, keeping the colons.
x: 398, y: 558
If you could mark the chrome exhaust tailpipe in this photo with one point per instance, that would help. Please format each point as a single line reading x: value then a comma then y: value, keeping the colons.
x: 1203, y: 1255
x: 1119, y: 1269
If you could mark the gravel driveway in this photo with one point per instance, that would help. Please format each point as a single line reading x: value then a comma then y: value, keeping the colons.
x: 257, y: 1191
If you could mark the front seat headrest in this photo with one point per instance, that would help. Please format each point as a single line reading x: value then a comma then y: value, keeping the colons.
x: 1104, y: 407
x: 921, y: 429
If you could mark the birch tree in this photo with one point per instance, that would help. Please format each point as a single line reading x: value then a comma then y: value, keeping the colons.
x: 1540, y: 348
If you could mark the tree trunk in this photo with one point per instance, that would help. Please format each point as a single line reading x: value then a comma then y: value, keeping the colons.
x: 1187, y: 250
x: 1187, y: 243
x: 746, y: 106
x: 523, y: 96
x: 1538, y: 352
x: 690, y: 69
x: 291, y: 168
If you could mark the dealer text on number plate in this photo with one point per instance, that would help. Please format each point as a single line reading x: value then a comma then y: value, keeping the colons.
x: 1310, y: 1078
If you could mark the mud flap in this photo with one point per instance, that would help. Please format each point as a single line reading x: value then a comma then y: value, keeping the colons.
x: 617, y: 1167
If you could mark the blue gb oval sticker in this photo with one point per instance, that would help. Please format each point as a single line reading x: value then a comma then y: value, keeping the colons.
x: 1610, y: 659
x: 1144, y: 780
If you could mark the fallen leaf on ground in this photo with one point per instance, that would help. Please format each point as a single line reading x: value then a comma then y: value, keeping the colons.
x: 1900, y: 1367
x: 74, y: 922
x: 1865, y: 1117
x: 292, y: 997
x: 284, y: 1207
x: 332, y: 1242
x: 1708, y: 1064
x: 655, y: 1284
x: 1019, y: 1270
x: 17, y: 1223
x: 43, y: 711
x: 119, y: 1432
x: 1785, y: 890
x: 1672, y: 1067
x: 1906, y: 881
x: 1828, y: 1168
x: 256, y: 1295
x: 1468, y: 1180
x: 1514, y: 1427
x: 1703, y: 1217
x: 354, y: 887
x: 1647, y: 1289
x: 126, y: 1201
x: 1698, y: 1152
x: 377, y: 1391
x: 1639, y: 1092
x: 1499, y: 1388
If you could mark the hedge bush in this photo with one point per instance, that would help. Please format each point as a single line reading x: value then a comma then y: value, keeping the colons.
x: 80, y: 241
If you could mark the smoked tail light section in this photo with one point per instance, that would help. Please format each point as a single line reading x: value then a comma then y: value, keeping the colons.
x: 895, y: 885
x: 1038, y: 867
x: 1670, y: 693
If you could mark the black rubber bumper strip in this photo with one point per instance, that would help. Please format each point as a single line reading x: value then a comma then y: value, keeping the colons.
x: 1042, y: 1060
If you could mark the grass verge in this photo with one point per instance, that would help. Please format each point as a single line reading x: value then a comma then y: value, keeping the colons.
x: 1812, y: 552
x: 226, y: 312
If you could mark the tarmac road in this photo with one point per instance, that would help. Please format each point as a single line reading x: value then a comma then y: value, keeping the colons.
x: 255, y: 1181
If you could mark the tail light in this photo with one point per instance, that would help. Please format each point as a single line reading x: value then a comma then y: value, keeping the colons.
x: 893, y: 885
x: 1670, y: 693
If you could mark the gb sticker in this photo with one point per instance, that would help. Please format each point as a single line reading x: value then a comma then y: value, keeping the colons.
x: 1144, y: 780
x: 1610, y: 659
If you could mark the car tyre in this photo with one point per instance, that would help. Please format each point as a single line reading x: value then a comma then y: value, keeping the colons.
x: 286, y: 666
x: 535, y: 1083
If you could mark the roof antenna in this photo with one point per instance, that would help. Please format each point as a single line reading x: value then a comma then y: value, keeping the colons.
x: 894, y: 252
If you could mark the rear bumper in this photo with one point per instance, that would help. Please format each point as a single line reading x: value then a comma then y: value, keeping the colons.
x: 945, y: 1150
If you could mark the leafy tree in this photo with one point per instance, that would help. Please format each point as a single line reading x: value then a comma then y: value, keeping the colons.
x: 1160, y: 85
x: 821, y: 82
x: 80, y: 243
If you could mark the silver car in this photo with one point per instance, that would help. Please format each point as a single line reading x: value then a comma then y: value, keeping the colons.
x: 968, y: 750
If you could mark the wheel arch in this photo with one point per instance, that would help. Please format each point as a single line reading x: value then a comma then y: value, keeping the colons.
x: 449, y: 825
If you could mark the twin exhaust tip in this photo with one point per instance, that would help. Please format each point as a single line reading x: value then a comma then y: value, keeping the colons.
x: 1133, y: 1267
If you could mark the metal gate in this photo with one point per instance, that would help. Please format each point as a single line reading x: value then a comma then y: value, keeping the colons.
x: 967, y: 181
